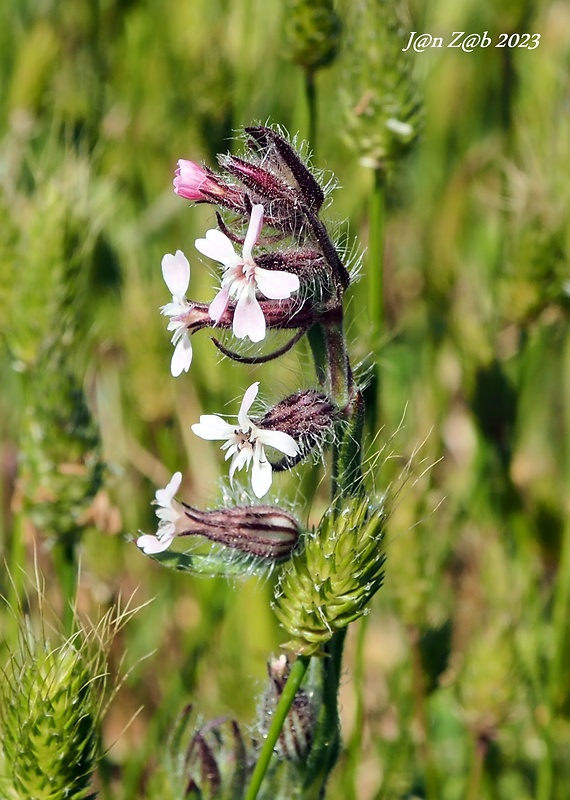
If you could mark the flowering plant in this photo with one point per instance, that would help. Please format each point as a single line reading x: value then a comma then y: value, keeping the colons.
x: 288, y: 276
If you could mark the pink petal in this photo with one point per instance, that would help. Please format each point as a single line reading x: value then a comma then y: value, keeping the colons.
x: 212, y: 427
x: 188, y: 179
x: 246, y: 404
x: 176, y: 273
x: 253, y: 231
x: 261, y: 474
x: 217, y: 246
x: 182, y: 357
x: 152, y: 544
x: 280, y: 441
x: 219, y: 304
x: 275, y: 284
x: 249, y: 319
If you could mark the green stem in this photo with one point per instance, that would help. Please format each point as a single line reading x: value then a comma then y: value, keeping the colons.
x: 355, y: 743
x: 376, y: 256
x: 65, y: 561
x: 476, y: 775
x: 311, y: 95
x: 325, y: 680
x: 16, y: 578
x: 375, y: 281
x: 556, y: 679
x: 419, y: 692
x: 339, y: 372
x: 316, y: 338
x: 298, y: 671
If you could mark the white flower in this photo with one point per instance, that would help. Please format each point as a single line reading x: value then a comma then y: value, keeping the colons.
x: 176, y: 274
x: 242, y: 277
x: 171, y: 518
x: 245, y: 443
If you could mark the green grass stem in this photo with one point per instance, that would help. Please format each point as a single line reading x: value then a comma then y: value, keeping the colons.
x: 298, y: 672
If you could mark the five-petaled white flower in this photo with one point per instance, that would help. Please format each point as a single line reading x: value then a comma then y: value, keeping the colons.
x: 242, y: 277
x: 245, y: 443
x: 171, y: 518
x: 176, y: 274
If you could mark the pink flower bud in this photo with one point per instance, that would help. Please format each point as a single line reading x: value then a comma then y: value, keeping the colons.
x: 202, y: 185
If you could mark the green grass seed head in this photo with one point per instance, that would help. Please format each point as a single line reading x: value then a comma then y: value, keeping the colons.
x: 329, y: 584
x: 49, y: 710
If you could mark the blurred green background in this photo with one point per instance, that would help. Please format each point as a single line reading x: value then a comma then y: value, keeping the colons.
x: 457, y: 685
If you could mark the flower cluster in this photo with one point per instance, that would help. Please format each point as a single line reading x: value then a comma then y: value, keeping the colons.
x: 288, y: 279
x: 280, y: 271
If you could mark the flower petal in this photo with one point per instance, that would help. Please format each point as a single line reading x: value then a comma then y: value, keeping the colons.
x: 241, y: 459
x: 212, y: 427
x: 217, y: 246
x: 279, y: 440
x: 276, y: 284
x: 176, y: 273
x: 246, y: 403
x: 182, y: 357
x: 253, y: 231
x: 165, y: 496
x: 152, y: 544
x: 219, y: 304
x: 249, y: 319
x: 188, y: 178
x: 261, y: 473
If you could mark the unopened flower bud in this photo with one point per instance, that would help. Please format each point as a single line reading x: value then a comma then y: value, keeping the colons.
x: 267, y: 187
x: 296, y: 734
x: 260, y: 180
x: 276, y: 150
x: 212, y: 765
x: 307, y: 416
x: 261, y: 531
x: 329, y: 584
x: 202, y: 185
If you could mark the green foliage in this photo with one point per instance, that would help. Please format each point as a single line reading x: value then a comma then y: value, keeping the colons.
x: 100, y: 99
